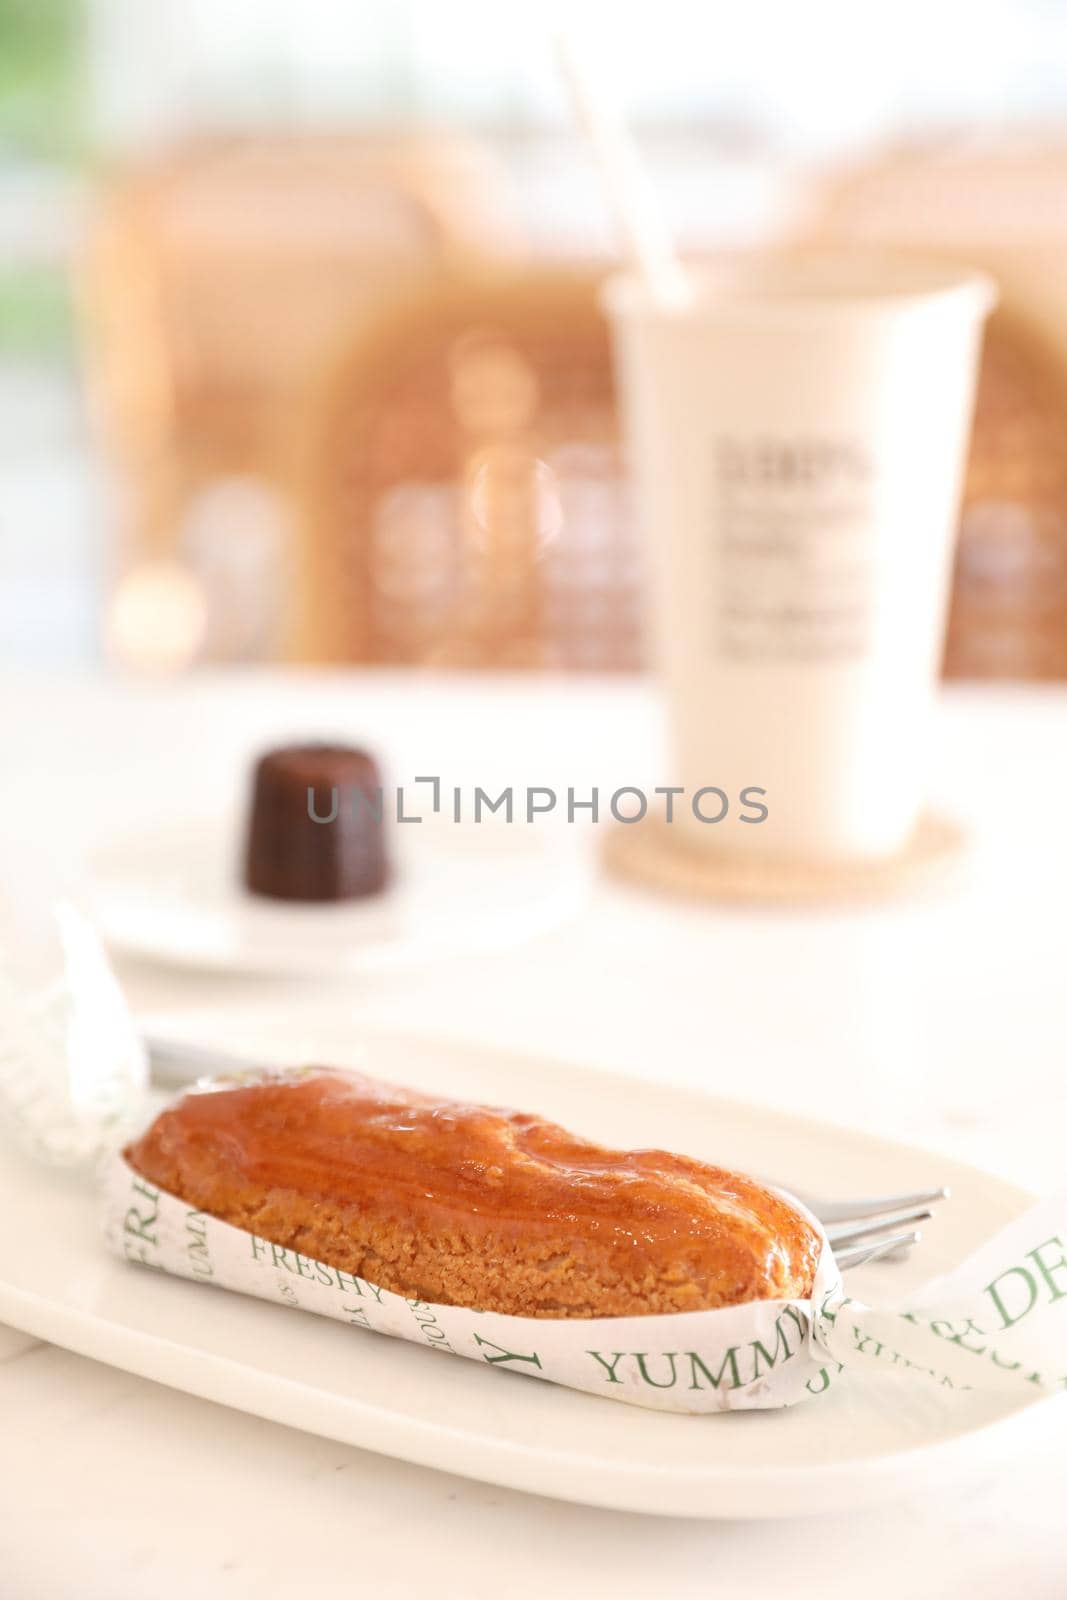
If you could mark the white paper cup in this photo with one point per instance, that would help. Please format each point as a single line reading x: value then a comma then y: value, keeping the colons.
x: 797, y: 437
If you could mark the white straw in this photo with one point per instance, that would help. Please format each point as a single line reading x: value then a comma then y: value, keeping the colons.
x: 646, y: 239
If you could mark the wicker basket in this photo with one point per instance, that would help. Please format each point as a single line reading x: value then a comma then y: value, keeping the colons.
x: 215, y: 279
x: 1002, y: 207
x: 463, y: 495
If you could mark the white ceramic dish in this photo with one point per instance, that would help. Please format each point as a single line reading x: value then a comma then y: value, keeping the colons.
x: 174, y: 895
x: 859, y: 1444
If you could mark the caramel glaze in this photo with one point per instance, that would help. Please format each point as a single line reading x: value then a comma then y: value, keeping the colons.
x: 465, y: 1205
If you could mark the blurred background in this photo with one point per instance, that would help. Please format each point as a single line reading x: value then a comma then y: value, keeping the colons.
x: 300, y: 353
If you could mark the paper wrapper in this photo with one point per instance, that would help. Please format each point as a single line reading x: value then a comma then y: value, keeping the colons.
x: 998, y: 1322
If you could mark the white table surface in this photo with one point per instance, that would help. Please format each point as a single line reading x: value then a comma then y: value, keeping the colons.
x: 940, y: 1020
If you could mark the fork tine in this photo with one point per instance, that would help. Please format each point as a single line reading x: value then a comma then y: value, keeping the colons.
x: 831, y: 1211
x: 860, y: 1254
x: 855, y: 1233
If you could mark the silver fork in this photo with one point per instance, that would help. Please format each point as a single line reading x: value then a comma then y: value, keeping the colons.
x: 175, y: 1065
x: 881, y: 1227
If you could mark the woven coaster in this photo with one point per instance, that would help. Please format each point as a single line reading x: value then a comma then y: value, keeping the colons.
x: 660, y: 856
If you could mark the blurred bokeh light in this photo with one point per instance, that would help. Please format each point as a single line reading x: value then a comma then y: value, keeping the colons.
x: 213, y: 216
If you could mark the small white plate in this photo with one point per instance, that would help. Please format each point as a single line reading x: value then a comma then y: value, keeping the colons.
x: 175, y: 896
x: 860, y: 1443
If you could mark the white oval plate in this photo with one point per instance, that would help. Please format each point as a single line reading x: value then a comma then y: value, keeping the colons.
x: 860, y: 1443
x: 174, y: 895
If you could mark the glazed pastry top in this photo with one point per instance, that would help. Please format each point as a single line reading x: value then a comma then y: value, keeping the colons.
x: 498, y: 1180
